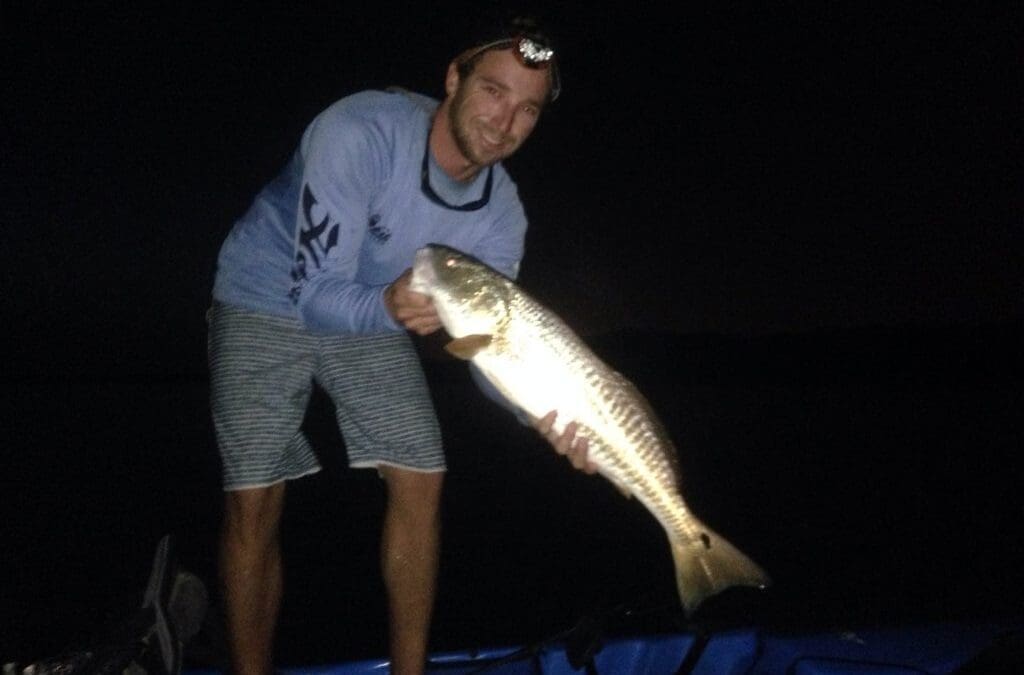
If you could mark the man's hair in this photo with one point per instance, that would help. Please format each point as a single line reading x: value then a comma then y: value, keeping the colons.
x: 505, y: 31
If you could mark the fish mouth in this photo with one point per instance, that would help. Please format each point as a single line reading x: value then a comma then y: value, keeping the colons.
x: 423, y: 276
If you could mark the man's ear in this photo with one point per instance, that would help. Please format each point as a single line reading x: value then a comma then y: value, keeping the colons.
x: 451, y: 79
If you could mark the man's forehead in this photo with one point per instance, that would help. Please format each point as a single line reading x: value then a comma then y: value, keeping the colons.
x: 501, y: 67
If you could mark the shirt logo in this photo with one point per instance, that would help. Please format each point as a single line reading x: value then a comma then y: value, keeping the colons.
x: 316, y: 239
x: 378, y: 231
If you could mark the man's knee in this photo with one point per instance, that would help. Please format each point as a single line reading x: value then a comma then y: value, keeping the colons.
x: 251, y: 516
x: 416, y: 491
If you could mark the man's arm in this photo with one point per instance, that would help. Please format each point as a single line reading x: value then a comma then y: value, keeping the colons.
x: 342, y: 154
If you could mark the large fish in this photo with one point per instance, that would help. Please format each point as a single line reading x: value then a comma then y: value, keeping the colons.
x: 539, y: 364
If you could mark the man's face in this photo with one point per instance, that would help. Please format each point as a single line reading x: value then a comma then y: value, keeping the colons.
x: 495, y: 108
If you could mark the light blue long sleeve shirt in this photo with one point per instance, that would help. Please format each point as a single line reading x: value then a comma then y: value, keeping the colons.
x: 324, y: 239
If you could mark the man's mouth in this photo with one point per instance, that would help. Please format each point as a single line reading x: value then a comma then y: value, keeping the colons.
x: 494, y: 140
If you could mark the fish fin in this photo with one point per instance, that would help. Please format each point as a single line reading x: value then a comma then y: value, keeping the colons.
x: 467, y: 346
x: 708, y: 564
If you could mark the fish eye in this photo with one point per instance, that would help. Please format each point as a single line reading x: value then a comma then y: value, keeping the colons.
x: 450, y: 262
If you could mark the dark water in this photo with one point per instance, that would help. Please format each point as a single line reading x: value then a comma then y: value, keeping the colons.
x: 876, y: 475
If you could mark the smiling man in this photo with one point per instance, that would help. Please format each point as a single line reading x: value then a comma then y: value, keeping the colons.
x: 312, y: 284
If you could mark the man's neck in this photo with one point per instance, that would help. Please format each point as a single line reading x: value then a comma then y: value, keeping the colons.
x: 446, y: 151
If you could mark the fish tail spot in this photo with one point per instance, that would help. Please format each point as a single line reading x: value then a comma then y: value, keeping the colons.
x: 705, y: 539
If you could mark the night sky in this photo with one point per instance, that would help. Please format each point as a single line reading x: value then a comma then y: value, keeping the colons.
x: 709, y: 168
x: 726, y: 169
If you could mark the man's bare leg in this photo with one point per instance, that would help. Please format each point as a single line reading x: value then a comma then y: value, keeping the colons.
x: 250, y: 570
x: 410, y: 544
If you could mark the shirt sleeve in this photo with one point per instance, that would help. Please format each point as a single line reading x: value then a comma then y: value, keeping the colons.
x: 343, y: 164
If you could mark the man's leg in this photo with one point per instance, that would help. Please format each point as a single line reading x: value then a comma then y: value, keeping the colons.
x: 410, y: 544
x: 386, y: 416
x: 250, y: 570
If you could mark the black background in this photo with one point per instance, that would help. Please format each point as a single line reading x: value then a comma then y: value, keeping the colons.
x: 798, y: 229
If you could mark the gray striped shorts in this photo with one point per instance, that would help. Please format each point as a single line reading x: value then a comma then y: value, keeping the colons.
x: 262, y: 370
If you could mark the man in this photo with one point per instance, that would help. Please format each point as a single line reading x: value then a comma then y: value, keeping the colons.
x: 313, y: 284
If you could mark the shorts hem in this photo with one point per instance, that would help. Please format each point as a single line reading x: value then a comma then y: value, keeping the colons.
x: 269, y: 483
x: 376, y: 464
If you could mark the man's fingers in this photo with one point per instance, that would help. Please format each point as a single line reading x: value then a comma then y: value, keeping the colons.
x: 578, y: 453
x: 575, y: 448
x: 424, y: 325
x: 580, y: 456
x: 544, y: 424
x: 416, y: 312
x: 408, y: 307
x: 563, y: 442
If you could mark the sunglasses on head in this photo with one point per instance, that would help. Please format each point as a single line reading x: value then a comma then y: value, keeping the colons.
x: 532, y: 52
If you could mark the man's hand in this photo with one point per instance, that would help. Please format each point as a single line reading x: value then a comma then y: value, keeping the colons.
x: 567, y: 443
x: 413, y: 310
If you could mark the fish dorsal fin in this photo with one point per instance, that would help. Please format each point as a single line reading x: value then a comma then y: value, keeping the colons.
x: 466, y: 347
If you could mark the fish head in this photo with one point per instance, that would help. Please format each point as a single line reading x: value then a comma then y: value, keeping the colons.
x: 471, y: 298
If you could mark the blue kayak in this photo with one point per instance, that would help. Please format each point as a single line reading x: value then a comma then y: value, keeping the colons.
x: 153, y: 639
x: 931, y: 649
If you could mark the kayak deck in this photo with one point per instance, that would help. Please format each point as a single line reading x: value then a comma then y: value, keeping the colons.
x: 932, y: 648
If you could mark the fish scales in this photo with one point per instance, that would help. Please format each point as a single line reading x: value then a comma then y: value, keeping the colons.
x: 539, y: 364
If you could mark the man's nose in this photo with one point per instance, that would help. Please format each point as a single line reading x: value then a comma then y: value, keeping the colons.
x: 503, y: 118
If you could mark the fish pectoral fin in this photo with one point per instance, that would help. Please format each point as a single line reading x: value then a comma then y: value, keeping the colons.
x: 466, y: 347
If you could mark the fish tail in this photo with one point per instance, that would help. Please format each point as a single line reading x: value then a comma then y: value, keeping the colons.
x: 707, y: 564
